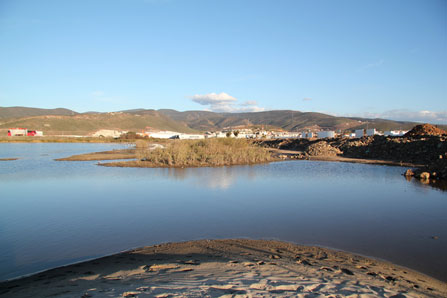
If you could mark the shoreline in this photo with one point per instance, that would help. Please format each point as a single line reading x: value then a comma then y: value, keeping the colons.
x: 131, y: 154
x: 291, y: 153
x: 129, y: 157
x: 216, y: 268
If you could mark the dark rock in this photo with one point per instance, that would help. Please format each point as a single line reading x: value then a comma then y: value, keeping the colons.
x: 388, y: 278
x: 326, y: 269
x: 303, y: 262
x: 191, y: 262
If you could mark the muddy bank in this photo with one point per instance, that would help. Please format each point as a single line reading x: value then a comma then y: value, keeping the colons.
x: 420, y: 152
x: 226, y: 268
x: 104, y: 155
x: 8, y: 159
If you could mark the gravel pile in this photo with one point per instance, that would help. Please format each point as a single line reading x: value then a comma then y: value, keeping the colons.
x: 425, y: 130
x: 322, y: 148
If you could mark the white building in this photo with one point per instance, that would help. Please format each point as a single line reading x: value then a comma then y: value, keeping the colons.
x: 162, y: 134
x: 371, y: 132
x: 241, y: 135
x: 359, y: 133
x: 185, y: 136
x: 326, y: 134
x: 36, y: 133
x: 17, y: 132
x: 107, y: 133
x: 221, y: 134
x: 395, y: 133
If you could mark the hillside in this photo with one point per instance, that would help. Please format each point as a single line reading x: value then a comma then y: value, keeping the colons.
x: 283, y: 119
x: 84, y: 124
x: 20, y: 112
x: 64, y: 121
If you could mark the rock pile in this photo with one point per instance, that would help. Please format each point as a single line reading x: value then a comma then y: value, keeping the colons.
x: 425, y: 146
x: 425, y: 130
x: 421, y: 151
x: 435, y: 170
x: 322, y: 148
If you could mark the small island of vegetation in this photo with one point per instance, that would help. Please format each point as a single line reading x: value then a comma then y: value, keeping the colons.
x: 197, y: 153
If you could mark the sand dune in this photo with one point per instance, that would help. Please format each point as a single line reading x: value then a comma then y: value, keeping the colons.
x: 228, y: 268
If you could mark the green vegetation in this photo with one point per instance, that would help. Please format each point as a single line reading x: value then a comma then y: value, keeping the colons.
x: 203, y: 153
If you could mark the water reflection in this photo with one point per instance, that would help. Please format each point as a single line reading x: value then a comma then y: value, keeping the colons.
x: 52, y: 213
x: 213, y: 178
x: 428, y: 184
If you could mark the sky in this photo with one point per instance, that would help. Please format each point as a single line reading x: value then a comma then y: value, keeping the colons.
x: 380, y: 58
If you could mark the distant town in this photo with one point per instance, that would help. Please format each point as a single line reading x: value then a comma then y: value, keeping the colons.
x: 226, y: 133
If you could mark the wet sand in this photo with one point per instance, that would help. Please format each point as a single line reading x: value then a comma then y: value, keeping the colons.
x: 228, y: 268
x: 103, y: 155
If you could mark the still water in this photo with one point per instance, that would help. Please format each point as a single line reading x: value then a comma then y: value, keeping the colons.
x: 55, y: 213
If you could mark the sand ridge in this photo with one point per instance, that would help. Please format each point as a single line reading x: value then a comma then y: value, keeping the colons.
x: 228, y: 268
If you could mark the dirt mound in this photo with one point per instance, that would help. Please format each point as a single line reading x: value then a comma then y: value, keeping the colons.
x: 322, y: 148
x: 425, y: 130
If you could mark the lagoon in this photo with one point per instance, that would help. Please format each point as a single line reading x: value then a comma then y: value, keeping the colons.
x: 56, y: 213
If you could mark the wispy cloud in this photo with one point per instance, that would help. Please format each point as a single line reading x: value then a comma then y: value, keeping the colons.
x: 100, y: 96
x: 225, y: 103
x: 248, y: 77
x: 374, y: 64
x: 250, y: 103
x: 213, y: 98
x: 307, y: 99
x: 439, y: 117
x: 97, y: 93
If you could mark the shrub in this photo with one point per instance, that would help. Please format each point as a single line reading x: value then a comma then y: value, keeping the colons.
x: 209, y: 152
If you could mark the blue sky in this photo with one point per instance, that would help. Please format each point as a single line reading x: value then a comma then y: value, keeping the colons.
x: 356, y: 58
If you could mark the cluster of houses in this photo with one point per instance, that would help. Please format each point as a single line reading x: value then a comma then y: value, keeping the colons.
x: 227, y: 133
x: 372, y: 132
x: 265, y: 134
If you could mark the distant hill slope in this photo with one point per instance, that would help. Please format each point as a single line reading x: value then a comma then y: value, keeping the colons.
x: 84, y: 124
x: 284, y: 119
x: 20, y: 112
x: 64, y: 121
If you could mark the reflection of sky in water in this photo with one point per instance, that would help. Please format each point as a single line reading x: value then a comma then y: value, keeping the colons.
x: 53, y: 213
x: 214, y: 178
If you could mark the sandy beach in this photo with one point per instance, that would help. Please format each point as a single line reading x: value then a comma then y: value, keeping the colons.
x: 228, y: 268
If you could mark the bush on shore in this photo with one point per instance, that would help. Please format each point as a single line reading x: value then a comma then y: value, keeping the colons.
x: 208, y: 152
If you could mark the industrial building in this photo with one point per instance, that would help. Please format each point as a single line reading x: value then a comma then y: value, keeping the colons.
x: 17, y: 132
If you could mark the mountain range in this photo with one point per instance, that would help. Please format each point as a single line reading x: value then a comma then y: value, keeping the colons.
x: 67, y: 122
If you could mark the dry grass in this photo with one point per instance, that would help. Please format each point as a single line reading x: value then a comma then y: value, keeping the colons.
x: 209, y: 152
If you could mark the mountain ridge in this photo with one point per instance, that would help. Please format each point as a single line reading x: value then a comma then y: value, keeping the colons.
x: 65, y: 121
